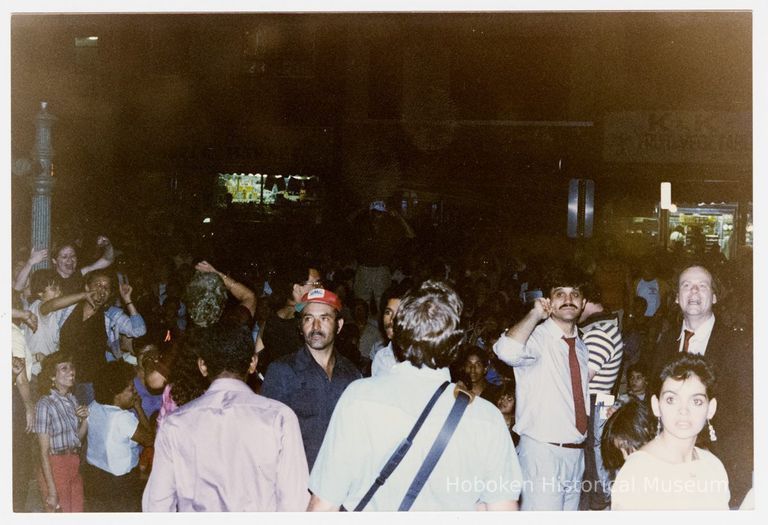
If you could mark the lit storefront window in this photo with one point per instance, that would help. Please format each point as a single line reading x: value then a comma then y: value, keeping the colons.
x: 262, y: 188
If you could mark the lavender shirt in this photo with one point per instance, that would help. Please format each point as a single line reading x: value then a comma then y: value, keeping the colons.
x: 228, y: 450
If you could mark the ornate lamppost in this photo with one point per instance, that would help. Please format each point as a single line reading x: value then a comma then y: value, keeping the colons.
x: 42, y: 154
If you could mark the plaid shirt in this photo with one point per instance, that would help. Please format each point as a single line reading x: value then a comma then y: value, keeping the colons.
x: 56, y: 417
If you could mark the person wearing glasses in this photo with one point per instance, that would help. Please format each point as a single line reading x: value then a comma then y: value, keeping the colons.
x: 280, y: 335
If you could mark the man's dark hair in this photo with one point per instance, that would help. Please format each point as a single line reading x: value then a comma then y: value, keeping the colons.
x: 93, y: 274
x: 629, y: 428
x: 592, y: 292
x: 287, y: 274
x: 112, y: 379
x: 468, y: 350
x: 688, y: 365
x: 395, y: 291
x: 637, y: 367
x: 565, y: 275
x: 426, y: 328
x: 41, y: 279
x: 225, y: 347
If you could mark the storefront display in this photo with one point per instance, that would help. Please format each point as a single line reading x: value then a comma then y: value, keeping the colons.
x: 264, y: 189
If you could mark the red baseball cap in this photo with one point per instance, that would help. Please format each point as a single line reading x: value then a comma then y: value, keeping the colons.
x: 320, y: 295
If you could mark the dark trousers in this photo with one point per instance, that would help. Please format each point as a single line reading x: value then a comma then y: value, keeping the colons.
x: 105, y: 492
x: 594, y: 490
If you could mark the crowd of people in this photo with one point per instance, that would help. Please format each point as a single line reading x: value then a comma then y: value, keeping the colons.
x: 398, y: 373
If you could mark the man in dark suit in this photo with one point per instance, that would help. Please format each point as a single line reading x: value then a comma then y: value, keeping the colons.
x: 730, y: 354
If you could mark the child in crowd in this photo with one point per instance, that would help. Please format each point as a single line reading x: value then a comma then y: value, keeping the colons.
x: 506, y: 405
x: 114, y: 435
x: 44, y: 341
x: 637, y: 385
x: 625, y: 431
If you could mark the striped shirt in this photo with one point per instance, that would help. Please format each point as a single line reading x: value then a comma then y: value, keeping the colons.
x: 606, y: 349
x: 56, y: 417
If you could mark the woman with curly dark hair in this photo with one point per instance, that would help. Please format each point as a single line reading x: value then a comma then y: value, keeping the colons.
x: 670, y: 472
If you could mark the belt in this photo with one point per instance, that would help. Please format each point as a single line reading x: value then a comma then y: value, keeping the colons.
x: 568, y: 445
x: 65, y: 452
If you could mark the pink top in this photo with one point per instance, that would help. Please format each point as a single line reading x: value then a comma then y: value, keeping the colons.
x: 229, y: 450
x: 167, y: 407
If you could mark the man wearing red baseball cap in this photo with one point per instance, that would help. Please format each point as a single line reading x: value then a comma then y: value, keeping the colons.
x: 311, y: 380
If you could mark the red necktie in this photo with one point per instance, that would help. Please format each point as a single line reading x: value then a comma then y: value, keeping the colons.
x: 688, y: 335
x: 578, y: 394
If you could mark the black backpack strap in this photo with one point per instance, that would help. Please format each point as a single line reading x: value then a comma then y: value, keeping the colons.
x: 451, y: 422
x: 402, y: 449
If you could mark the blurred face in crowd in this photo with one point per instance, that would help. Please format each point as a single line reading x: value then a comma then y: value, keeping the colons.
x: 475, y: 369
x: 65, y: 261
x: 313, y: 281
x: 127, y: 397
x: 683, y: 407
x: 566, y: 303
x: 319, y: 325
x: 506, y: 404
x: 694, y: 293
x: 636, y: 382
x: 102, y: 288
x: 388, y: 316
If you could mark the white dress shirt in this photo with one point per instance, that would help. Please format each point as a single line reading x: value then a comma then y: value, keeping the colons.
x: 698, y: 342
x: 544, y: 409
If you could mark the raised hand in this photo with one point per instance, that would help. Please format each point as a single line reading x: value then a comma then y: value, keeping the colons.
x: 125, y: 292
x: 204, y: 266
x: 37, y: 256
x: 30, y: 320
x: 542, y: 307
x: 82, y: 412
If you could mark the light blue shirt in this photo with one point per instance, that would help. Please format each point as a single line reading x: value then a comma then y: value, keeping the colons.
x: 110, y: 446
x: 544, y: 408
x: 375, y: 414
x: 383, y: 359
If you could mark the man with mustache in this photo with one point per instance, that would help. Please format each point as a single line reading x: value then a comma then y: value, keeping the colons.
x: 730, y: 353
x: 551, y: 372
x: 311, y: 380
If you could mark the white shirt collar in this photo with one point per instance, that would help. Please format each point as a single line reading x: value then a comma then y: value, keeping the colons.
x: 406, y: 367
x: 555, y: 331
x: 705, y: 330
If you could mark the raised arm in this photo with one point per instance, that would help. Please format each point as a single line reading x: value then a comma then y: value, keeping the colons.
x: 35, y: 257
x: 64, y: 301
x: 239, y: 291
x: 106, y: 259
x: 524, y: 328
x: 26, y: 317
x: 144, y: 435
x: 511, y: 347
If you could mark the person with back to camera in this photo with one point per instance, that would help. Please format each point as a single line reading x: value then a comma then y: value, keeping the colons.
x: 670, y: 472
